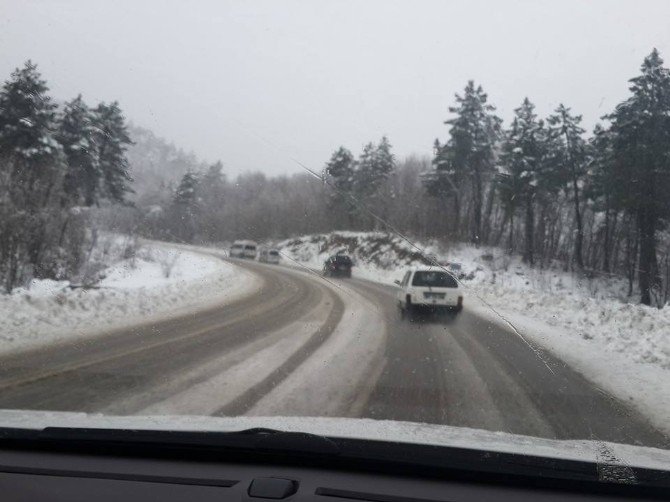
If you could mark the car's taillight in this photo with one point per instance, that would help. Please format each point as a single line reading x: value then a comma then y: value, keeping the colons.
x: 460, y: 301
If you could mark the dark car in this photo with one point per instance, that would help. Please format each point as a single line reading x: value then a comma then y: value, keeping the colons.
x: 338, y: 265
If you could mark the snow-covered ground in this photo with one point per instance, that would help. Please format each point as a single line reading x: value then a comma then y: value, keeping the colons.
x: 155, y: 281
x: 621, y: 346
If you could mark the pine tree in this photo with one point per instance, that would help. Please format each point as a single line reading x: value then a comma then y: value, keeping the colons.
x: 365, y: 176
x: 212, y: 200
x: 213, y: 183
x: 444, y: 181
x: 31, y: 170
x: 82, y: 181
x: 470, y: 151
x: 32, y: 158
x: 339, y: 173
x: 522, y: 160
x: 568, y: 169
x: 385, y: 160
x: 186, y: 193
x: 185, y: 205
x: 375, y: 165
x: 602, y: 185
x: 385, y: 168
x: 111, y: 141
x: 641, y: 146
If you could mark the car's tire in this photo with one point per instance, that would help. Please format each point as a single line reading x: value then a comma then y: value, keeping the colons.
x: 402, y: 313
x: 409, y: 308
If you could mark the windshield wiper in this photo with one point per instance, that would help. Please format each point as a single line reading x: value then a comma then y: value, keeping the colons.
x: 258, y: 438
x: 300, y: 448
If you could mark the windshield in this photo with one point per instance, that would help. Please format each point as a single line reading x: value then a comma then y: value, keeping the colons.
x: 434, y: 279
x: 515, y: 154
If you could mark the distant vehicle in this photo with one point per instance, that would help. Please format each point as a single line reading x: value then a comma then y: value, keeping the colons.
x: 338, y: 265
x: 243, y: 249
x: 454, y: 267
x: 429, y: 288
x: 268, y: 255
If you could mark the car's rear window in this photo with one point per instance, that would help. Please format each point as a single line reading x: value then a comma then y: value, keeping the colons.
x: 250, y: 248
x: 434, y: 280
x: 274, y: 253
x: 342, y: 260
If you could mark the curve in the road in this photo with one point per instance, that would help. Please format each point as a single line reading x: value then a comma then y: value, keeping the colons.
x: 305, y: 346
x: 125, y: 371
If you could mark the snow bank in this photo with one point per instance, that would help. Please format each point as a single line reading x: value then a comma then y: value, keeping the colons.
x: 590, y: 323
x: 158, y: 279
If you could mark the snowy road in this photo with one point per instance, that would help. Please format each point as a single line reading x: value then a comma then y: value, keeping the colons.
x: 311, y: 347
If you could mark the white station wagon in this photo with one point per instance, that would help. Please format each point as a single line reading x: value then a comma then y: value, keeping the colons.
x: 430, y: 288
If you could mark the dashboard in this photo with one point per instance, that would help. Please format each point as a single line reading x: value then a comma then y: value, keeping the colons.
x: 84, y: 469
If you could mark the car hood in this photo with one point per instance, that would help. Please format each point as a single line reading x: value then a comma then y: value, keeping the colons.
x: 382, y: 430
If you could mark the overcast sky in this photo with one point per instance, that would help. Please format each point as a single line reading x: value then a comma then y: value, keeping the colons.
x: 254, y: 83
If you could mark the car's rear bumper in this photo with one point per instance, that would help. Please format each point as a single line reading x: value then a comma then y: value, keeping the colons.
x: 450, y: 301
x: 437, y: 304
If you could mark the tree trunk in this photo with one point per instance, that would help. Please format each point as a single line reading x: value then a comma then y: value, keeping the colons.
x: 616, y: 241
x: 476, y: 229
x: 647, y: 227
x: 501, y: 232
x: 487, y: 215
x: 457, y: 216
x: 510, y: 244
x: 666, y: 293
x: 530, y: 222
x: 606, y: 245
x: 540, y: 234
x: 631, y: 254
x: 579, y: 238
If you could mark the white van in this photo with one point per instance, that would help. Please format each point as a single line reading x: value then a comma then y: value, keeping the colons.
x: 243, y: 249
x: 429, y: 287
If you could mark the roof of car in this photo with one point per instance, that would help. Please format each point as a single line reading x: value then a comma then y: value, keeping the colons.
x: 429, y: 268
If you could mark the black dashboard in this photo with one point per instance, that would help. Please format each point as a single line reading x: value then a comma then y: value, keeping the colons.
x: 58, y: 466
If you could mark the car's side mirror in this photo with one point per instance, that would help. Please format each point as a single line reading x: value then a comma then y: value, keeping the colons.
x: 397, y: 282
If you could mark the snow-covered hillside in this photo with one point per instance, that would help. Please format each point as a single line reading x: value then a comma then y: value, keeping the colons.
x: 590, y: 323
x: 156, y: 280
